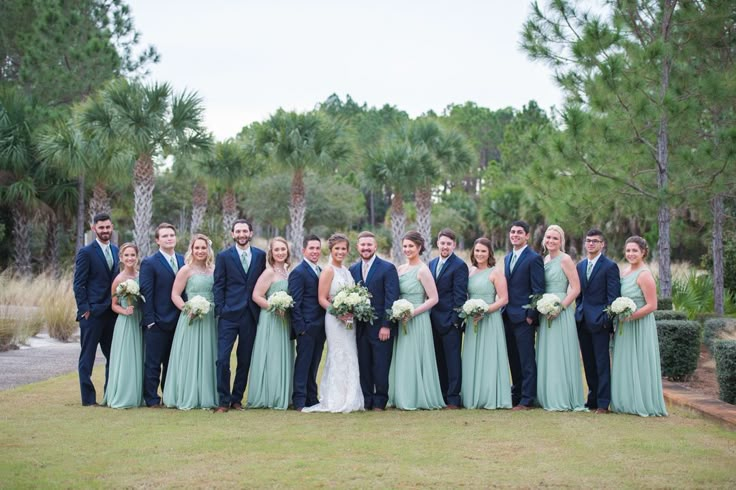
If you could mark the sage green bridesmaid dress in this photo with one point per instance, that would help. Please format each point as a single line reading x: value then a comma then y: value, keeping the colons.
x: 413, y: 379
x: 191, y: 380
x: 486, y: 376
x: 636, y: 373
x: 559, y: 373
x: 125, y: 380
x: 272, y: 366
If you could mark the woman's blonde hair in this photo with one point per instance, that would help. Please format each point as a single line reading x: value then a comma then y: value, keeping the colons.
x: 137, y: 254
x: 189, y: 258
x: 269, y: 254
x: 559, y: 230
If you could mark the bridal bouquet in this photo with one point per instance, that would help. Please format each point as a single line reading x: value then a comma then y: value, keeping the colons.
x: 280, y: 302
x: 196, y: 308
x: 355, y: 300
x: 130, y: 290
x: 472, y: 309
x: 548, y: 304
x: 401, y: 311
x: 621, y: 307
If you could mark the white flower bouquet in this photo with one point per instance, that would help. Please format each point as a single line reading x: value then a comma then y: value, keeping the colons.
x: 280, y: 302
x: 473, y: 309
x: 353, y: 300
x: 621, y: 307
x: 400, y: 312
x: 197, y: 307
x: 548, y: 304
x: 130, y: 290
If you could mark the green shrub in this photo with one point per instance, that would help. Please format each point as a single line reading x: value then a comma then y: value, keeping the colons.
x: 729, y: 261
x: 725, y: 354
x: 670, y: 315
x: 694, y: 295
x: 679, y: 347
x: 711, y: 328
x: 664, y: 303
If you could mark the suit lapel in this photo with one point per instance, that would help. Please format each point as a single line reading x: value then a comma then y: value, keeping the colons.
x: 598, y: 265
x: 238, y: 264
x: 507, y: 265
x: 102, y: 257
x: 371, y: 271
x: 446, y: 266
x: 165, y: 262
x: 115, y: 258
x: 309, y: 268
x: 433, y: 266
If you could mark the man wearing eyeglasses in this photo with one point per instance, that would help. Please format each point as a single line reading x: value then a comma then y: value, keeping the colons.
x: 600, y: 285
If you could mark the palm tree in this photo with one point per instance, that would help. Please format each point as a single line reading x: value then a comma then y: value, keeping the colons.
x: 230, y: 163
x: 395, y: 166
x: 200, y: 197
x: 64, y: 145
x: 20, y: 172
x: 298, y: 142
x: 449, y: 155
x: 152, y: 121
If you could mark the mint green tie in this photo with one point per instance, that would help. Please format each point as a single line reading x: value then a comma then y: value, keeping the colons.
x: 244, y: 260
x: 590, y: 269
x: 174, y: 265
x: 108, y: 256
x: 440, y: 265
x: 513, y: 262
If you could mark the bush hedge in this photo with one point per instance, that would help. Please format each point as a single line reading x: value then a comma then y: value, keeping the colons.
x: 711, y: 328
x: 664, y: 303
x: 670, y: 315
x: 725, y: 354
x: 679, y: 347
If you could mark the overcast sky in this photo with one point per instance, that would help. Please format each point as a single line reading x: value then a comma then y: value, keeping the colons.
x: 248, y: 58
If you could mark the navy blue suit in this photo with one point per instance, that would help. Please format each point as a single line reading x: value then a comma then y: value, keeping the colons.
x: 526, y: 279
x: 159, y: 319
x: 594, y: 326
x: 237, y: 318
x: 452, y: 289
x: 308, y: 327
x: 374, y: 355
x: 92, y: 291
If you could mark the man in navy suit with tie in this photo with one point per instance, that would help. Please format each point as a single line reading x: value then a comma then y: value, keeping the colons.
x: 160, y: 315
x: 236, y: 271
x: 600, y: 285
x: 307, y: 324
x: 94, y: 271
x: 524, y: 269
x: 451, y: 276
x: 375, y: 340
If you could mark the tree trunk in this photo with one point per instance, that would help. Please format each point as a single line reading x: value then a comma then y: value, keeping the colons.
x: 22, y: 240
x: 143, y: 185
x: 229, y: 213
x: 297, y: 210
x: 100, y: 201
x: 81, y: 223
x: 718, y: 218
x: 423, y: 200
x: 398, y: 228
x: 199, y: 208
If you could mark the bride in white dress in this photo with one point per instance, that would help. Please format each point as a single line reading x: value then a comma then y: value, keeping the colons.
x: 339, y: 389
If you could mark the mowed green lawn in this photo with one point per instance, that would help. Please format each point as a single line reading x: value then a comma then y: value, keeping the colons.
x: 49, y: 440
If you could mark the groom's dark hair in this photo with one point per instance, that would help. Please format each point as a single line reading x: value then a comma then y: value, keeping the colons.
x: 100, y: 217
x: 241, y: 221
x: 595, y: 232
x: 448, y: 233
x: 310, y: 238
x: 521, y: 224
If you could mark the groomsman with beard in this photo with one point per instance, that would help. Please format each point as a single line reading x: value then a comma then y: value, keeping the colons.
x: 237, y: 270
x: 600, y: 285
x: 94, y: 270
x: 375, y: 340
x: 451, y: 276
x: 307, y: 324
x: 160, y: 315
x: 524, y: 269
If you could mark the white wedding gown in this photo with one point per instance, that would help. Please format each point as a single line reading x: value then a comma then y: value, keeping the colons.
x: 339, y: 389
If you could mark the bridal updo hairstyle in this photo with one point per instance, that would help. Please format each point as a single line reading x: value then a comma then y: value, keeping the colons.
x: 641, y: 243
x: 189, y: 257
x: 416, y: 238
x: 337, y: 238
x: 558, y: 229
x: 269, y: 254
x: 486, y: 243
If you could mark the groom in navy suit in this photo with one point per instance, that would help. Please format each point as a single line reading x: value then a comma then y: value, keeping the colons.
x: 236, y: 271
x: 94, y: 271
x: 451, y: 276
x: 307, y: 324
x: 600, y: 285
x: 524, y: 269
x: 375, y: 340
x: 160, y: 315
